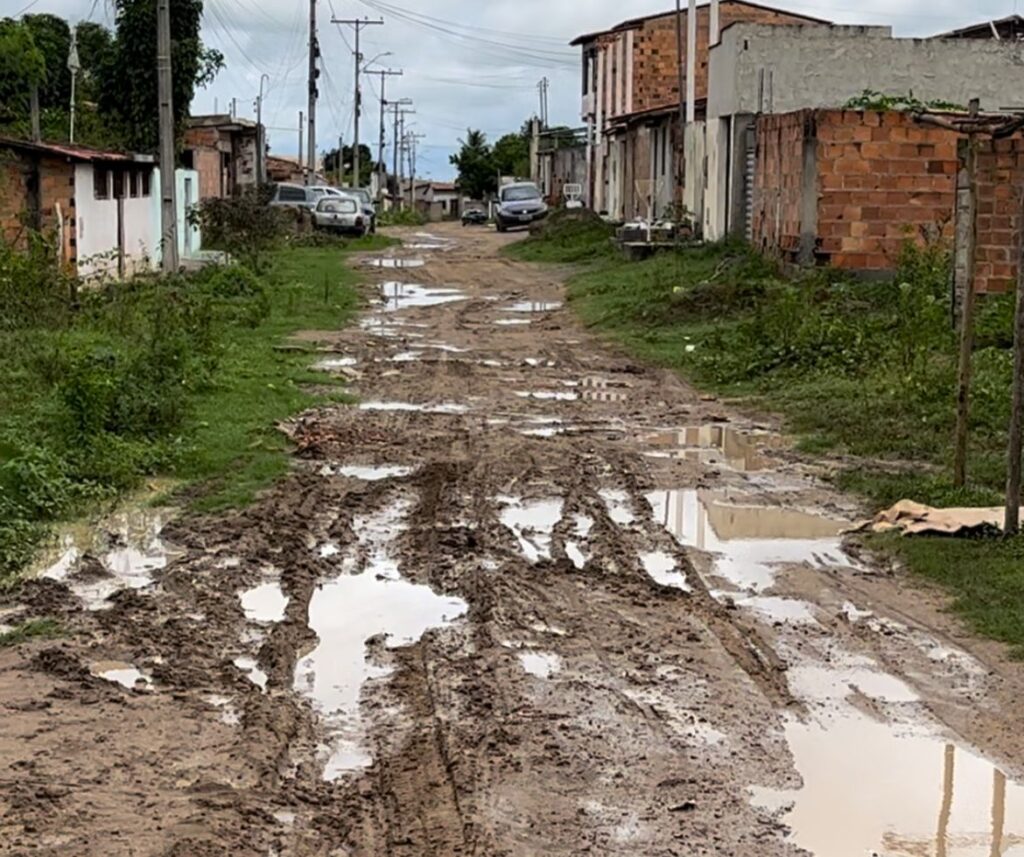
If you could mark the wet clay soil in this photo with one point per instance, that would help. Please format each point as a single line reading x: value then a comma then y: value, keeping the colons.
x: 531, y: 599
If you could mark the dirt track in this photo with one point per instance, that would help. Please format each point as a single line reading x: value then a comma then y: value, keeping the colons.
x: 562, y: 606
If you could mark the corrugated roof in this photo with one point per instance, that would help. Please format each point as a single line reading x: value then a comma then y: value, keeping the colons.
x: 633, y: 23
x: 984, y: 27
x: 72, y: 152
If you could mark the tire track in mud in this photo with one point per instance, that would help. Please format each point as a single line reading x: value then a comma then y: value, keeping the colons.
x: 579, y: 705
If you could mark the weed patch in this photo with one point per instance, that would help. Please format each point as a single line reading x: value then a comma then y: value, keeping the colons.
x: 45, y: 629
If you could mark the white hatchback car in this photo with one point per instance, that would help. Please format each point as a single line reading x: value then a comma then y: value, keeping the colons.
x: 339, y: 214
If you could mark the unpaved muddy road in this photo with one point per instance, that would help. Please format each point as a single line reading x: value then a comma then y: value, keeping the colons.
x: 529, y: 598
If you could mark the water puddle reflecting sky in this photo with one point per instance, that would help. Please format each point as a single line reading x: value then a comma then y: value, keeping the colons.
x: 398, y: 296
x: 749, y: 541
x: 713, y: 444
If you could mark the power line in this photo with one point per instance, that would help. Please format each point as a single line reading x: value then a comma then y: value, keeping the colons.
x: 29, y: 6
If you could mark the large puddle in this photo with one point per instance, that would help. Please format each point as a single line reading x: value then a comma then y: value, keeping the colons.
x: 713, y: 444
x: 398, y: 296
x: 533, y: 306
x: 533, y: 522
x: 395, y: 263
x: 349, y: 611
x: 749, y: 542
x: 122, y: 551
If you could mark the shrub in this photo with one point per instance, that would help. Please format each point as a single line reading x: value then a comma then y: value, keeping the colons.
x: 245, y: 226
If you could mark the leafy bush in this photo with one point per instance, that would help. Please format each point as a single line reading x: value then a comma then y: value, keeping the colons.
x: 402, y: 217
x: 32, y: 289
x: 245, y: 226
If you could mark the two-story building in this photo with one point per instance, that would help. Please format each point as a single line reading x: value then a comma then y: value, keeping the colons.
x: 631, y: 103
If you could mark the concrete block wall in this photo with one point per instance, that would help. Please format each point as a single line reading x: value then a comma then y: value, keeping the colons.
x: 55, y: 195
x: 848, y: 188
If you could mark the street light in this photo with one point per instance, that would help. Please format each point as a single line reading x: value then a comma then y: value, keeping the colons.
x: 378, y: 57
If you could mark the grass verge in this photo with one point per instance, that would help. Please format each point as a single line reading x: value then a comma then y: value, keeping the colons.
x: 34, y: 629
x: 865, y: 370
x: 160, y: 376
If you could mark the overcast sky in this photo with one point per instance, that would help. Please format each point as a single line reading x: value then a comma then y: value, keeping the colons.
x: 467, y: 62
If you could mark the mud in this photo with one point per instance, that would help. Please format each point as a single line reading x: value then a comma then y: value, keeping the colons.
x: 527, y: 598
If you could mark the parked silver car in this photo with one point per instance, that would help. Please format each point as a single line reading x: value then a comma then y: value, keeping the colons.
x: 519, y: 204
x: 339, y: 214
x: 294, y: 196
x: 363, y: 196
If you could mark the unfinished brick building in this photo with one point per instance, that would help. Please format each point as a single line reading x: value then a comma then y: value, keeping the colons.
x: 631, y: 103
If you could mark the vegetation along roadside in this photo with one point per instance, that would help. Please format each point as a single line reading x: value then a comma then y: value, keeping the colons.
x: 103, y: 386
x: 862, y: 370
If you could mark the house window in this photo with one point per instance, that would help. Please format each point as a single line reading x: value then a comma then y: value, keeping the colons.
x: 134, y: 179
x: 100, y: 182
x: 119, y: 177
x: 145, y: 177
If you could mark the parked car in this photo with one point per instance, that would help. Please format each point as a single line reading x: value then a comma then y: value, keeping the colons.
x: 339, y: 214
x: 363, y: 196
x: 294, y: 196
x: 519, y: 204
x: 474, y: 216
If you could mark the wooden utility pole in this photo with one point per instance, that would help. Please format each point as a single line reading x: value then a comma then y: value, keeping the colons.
x: 963, y: 386
x: 168, y: 201
x: 1014, y: 444
x: 314, y: 52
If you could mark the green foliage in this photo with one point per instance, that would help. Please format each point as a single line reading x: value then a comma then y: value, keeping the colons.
x: 367, y: 164
x: 475, y: 162
x: 129, y: 88
x: 31, y: 288
x: 244, y: 226
x: 22, y: 64
x: 31, y: 630
x: 567, y: 236
x: 871, y: 99
x: 403, y: 217
x: 511, y: 155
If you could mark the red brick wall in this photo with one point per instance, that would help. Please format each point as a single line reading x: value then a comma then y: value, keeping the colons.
x: 56, y: 187
x: 1000, y: 188
x: 883, y: 178
x: 655, y: 57
x: 879, y: 178
x: 778, y: 184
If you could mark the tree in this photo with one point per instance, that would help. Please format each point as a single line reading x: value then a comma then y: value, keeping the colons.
x: 512, y: 155
x: 128, y: 88
x: 367, y: 164
x: 52, y: 36
x: 478, y: 173
x: 21, y: 65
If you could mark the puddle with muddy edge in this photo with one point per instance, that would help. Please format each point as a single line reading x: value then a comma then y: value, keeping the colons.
x: 395, y: 263
x: 352, y: 609
x: 533, y: 306
x: 540, y: 664
x: 399, y: 296
x: 264, y: 603
x: 713, y: 444
x: 533, y: 522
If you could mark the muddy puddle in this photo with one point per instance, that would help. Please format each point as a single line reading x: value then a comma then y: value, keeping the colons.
x: 395, y: 263
x: 871, y: 788
x: 367, y: 472
x: 123, y: 674
x: 121, y: 551
x: 533, y: 306
x: 367, y: 604
x: 540, y: 664
x: 399, y: 296
x: 715, y: 445
x: 749, y: 542
x: 511, y: 322
x: 264, y: 603
x: 334, y: 364
x: 533, y: 523
x: 409, y: 407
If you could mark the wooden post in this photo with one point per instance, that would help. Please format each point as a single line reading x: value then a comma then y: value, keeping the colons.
x: 963, y: 395
x: 1014, y: 444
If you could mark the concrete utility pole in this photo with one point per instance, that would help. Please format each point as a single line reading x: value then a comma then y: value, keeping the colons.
x: 168, y: 202
x: 381, y: 169
x: 396, y: 109
x: 682, y: 60
x: 691, y: 63
x: 1016, y: 434
x: 314, y: 73
x: 302, y: 135
x: 542, y: 88
x: 402, y: 143
x: 413, y: 137
x: 357, y: 24
x: 261, y: 143
x: 715, y: 28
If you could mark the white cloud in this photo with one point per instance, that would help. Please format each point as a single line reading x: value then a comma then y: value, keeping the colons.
x: 455, y: 82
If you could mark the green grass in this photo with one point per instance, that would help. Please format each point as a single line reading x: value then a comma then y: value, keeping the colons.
x: 236, y: 446
x: 174, y: 377
x: 861, y: 370
x: 45, y: 629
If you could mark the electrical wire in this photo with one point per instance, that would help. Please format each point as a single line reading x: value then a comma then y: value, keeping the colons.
x: 23, y: 11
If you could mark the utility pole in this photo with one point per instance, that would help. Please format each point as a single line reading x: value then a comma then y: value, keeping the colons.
x: 357, y: 24
x: 413, y: 137
x: 396, y: 109
x: 341, y: 159
x: 682, y: 61
x: 402, y: 148
x: 168, y: 203
x: 314, y: 73
x: 381, y: 168
x: 261, y: 143
x: 691, y: 63
x: 1016, y: 434
x: 302, y: 134
x: 234, y: 107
